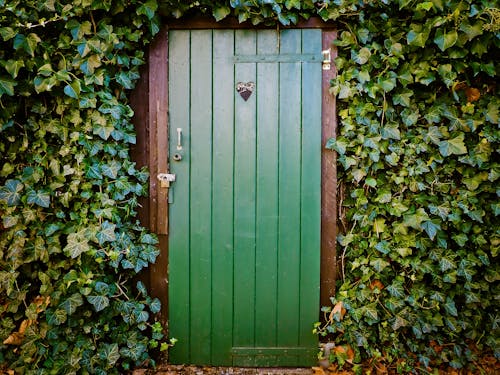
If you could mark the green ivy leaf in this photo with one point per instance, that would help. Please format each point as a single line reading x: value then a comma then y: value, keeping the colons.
x: 445, y: 40
x: 454, y: 146
x: 417, y: 38
x: 7, y: 33
x: 76, y: 244
x: 73, y: 89
x: 111, y: 169
x: 39, y: 197
x: 107, y: 232
x: 430, y: 228
x: 56, y: 317
x: 7, y: 86
x: 72, y: 303
x: 99, y: 302
x: 110, y: 353
x: 155, y: 306
x: 362, y: 56
x: 10, y: 192
x: 450, y: 307
x: 13, y: 67
x: 221, y: 12
x: 148, y: 9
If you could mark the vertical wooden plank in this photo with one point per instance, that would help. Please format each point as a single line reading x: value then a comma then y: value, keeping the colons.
x: 244, y: 201
x: 310, y: 194
x: 289, y: 196
x: 139, y: 101
x: 222, y: 193
x: 158, y: 147
x: 267, y: 196
x: 201, y: 195
x: 328, y: 181
x: 179, y: 268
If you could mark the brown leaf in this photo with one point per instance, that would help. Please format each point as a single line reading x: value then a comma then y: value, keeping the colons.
x: 318, y: 371
x: 41, y: 303
x: 15, y: 338
x: 25, y: 324
x: 473, y: 94
x: 376, y: 284
x: 338, y: 310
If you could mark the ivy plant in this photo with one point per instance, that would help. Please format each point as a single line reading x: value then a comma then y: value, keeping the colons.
x: 418, y: 159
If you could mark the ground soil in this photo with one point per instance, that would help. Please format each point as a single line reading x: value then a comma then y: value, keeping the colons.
x: 487, y: 366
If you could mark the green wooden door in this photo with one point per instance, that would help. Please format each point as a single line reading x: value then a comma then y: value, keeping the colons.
x: 244, y: 219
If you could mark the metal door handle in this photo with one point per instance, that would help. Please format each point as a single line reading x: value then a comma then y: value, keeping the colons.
x: 179, y: 139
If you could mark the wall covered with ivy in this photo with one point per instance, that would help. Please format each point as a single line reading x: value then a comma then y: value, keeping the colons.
x: 418, y: 149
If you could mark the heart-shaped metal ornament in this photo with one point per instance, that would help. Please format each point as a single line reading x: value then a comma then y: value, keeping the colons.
x: 245, y: 89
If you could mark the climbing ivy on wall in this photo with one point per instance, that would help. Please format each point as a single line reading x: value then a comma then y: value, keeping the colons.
x: 418, y: 165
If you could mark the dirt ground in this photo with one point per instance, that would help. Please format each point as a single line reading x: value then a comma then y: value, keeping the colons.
x: 197, y: 370
x: 492, y: 367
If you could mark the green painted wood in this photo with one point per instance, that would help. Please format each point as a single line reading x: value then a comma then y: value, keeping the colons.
x: 179, y: 233
x: 201, y: 195
x: 265, y: 57
x: 244, y: 201
x: 244, y: 219
x: 310, y: 221
x: 222, y: 193
x: 267, y: 198
x: 289, y: 197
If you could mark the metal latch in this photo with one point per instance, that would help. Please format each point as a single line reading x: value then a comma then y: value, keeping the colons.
x: 327, y: 59
x: 165, y: 179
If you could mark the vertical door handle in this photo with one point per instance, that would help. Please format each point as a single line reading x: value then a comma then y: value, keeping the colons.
x: 179, y: 139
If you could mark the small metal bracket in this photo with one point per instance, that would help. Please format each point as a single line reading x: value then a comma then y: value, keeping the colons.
x: 165, y: 179
x: 327, y: 59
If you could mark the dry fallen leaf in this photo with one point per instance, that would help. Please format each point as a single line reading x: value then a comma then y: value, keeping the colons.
x: 473, y: 94
x: 376, y: 284
x: 15, y: 338
x: 338, y: 310
x: 318, y: 371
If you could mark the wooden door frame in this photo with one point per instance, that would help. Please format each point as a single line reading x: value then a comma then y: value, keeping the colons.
x: 149, y: 101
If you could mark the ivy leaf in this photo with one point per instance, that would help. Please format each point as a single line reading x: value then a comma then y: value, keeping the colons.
x: 339, y: 144
x: 76, y: 244
x: 73, y: 89
x: 433, y: 135
x: 379, y: 264
x: 155, y: 306
x: 148, y: 9
x: 450, y: 307
x: 7, y: 86
x: 396, y: 289
x: 39, y: 197
x: 7, y: 33
x: 110, y: 353
x: 221, y: 12
x: 99, y: 302
x: 362, y: 56
x: 430, y: 228
x: 57, y: 317
x: 391, y: 132
x: 445, y: 40
x: 415, y: 220
x: 10, y: 193
x: 472, y: 31
x: 107, y: 232
x: 111, y: 169
x: 454, y: 146
x: 72, y: 303
x: 417, y: 38
x: 28, y: 43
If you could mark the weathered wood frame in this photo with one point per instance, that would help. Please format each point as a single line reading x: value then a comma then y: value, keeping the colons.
x: 150, y: 103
